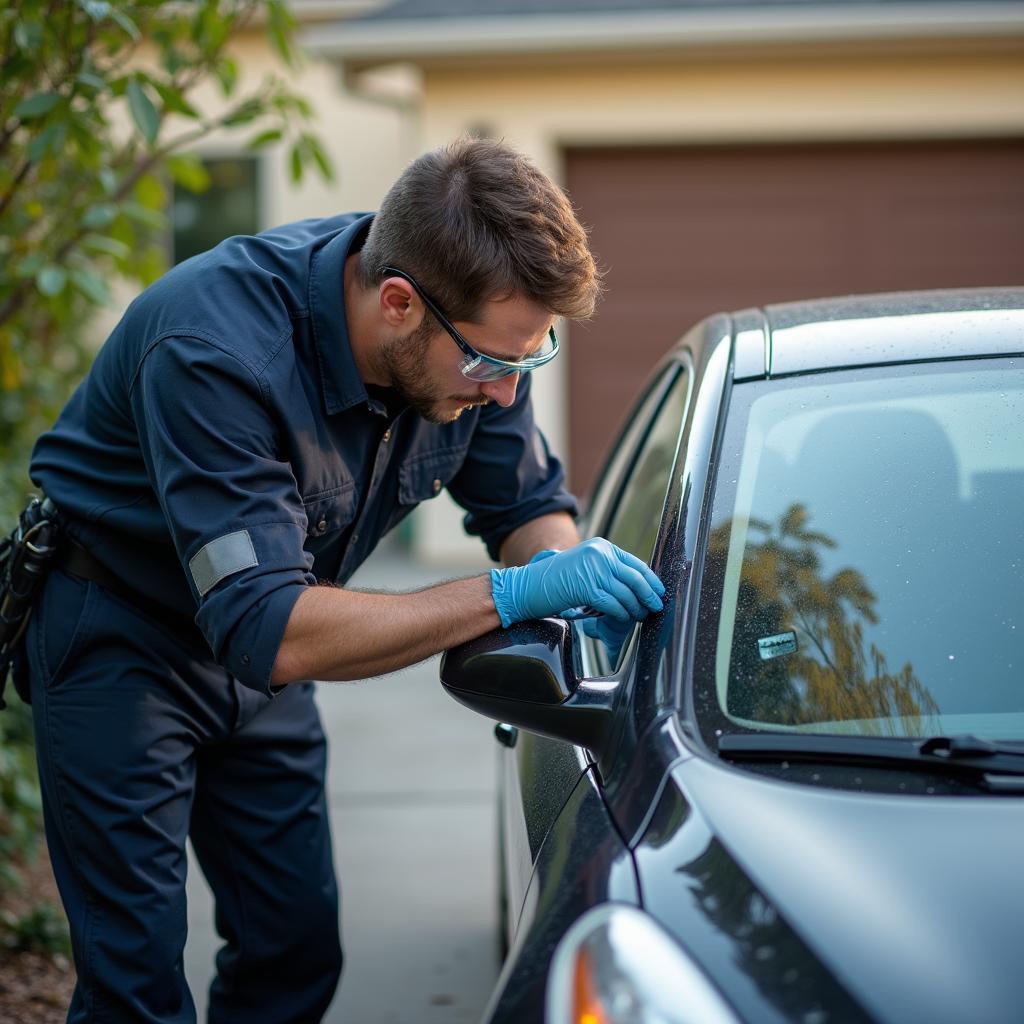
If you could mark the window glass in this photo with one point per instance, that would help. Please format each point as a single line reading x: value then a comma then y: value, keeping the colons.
x: 230, y: 206
x: 634, y: 523
x: 865, y: 570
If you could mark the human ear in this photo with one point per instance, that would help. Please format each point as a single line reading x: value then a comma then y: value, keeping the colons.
x: 399, y: 304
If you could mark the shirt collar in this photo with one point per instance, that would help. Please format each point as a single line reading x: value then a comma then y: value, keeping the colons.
x: 342, y: 385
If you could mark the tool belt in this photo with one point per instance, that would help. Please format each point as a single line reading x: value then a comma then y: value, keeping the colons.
x: 25, y: 558
x: 38, y: 544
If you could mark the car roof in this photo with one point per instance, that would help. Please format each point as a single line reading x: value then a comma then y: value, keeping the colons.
x: 871, y: 330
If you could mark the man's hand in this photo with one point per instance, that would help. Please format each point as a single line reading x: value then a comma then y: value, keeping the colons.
x: 595, y: 573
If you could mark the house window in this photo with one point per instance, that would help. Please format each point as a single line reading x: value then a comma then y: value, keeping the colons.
x: 230, y: 206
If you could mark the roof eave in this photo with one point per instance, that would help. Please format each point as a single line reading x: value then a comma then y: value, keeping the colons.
x: 363, y: 44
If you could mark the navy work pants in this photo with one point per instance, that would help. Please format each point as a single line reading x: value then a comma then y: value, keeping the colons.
x: 142, y: 741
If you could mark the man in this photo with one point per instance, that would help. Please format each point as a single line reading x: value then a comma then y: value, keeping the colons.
x: 259, y: 418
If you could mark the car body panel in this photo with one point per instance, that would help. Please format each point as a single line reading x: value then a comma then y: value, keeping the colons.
x: 539, y: 775
x: 692, y: 883
x: 582, y: 862
x: 905, y: 898
x: 866, y: 330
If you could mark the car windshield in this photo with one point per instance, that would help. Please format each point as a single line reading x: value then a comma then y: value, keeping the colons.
x: 865, y: 567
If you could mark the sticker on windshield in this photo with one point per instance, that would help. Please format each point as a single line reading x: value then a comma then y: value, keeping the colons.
x: 773, y: 646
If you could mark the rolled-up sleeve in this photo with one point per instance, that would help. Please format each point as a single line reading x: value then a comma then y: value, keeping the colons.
x: 510, y: 476
x: 231, y: 505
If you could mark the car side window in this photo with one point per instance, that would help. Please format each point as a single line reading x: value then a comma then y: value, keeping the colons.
x: 633, y: 519
x: 634, y: 522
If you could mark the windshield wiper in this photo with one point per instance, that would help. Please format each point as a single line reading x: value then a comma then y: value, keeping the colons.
x: 998, y: 767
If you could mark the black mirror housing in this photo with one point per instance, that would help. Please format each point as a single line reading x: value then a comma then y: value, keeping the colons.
x: 527, y: 676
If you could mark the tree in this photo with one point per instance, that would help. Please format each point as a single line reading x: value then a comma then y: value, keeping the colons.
x: 97, y: 112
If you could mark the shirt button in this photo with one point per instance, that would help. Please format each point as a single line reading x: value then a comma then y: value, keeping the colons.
x: 387, y: 435
x: 321, y: 527
x: 437, y: 486
x: 355, y: 538
x: 245, y: 659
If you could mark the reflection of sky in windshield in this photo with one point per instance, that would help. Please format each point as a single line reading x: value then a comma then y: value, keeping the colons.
x: 919, y: 480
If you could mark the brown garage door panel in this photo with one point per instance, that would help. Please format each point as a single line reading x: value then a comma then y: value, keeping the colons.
x: 684, y: 232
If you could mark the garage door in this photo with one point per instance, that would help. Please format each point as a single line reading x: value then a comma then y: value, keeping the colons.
x: 687, y: 232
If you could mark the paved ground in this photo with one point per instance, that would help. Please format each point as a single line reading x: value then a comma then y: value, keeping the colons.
x: 411, y: 788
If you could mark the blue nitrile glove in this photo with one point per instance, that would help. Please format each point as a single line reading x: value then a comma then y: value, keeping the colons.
x: 611, y: 632
x: 595, y: 573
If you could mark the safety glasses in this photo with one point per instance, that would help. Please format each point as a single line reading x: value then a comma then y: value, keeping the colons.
x: 475, y: 365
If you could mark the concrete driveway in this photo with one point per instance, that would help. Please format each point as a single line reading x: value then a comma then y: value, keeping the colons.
x: 411, y: 786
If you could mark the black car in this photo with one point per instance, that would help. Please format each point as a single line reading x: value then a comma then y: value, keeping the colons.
x: 799, y: 793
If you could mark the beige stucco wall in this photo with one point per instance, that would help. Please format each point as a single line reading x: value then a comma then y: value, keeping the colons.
x: 542, y: 109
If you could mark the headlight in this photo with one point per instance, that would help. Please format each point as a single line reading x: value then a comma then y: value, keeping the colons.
x: 615, y: 965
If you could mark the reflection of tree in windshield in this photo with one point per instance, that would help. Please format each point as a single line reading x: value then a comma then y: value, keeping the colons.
x: 830, y: 676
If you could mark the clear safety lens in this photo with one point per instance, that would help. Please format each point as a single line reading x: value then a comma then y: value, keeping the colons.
x: 484, y: 368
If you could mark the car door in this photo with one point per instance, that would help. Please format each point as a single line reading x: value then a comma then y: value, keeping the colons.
x: 537, y: 774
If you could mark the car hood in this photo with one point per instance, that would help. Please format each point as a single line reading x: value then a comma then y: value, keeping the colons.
x: 914, y: 904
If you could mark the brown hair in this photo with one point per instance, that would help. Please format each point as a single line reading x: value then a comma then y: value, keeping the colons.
x: 475, y: 220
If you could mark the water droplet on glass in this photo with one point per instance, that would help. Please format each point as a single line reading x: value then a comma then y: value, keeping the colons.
x: 952, y: 657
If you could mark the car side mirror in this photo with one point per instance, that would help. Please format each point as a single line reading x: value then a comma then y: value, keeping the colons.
x: 527, y: 676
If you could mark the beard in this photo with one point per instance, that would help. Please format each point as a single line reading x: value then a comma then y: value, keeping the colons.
x: 404, y: 361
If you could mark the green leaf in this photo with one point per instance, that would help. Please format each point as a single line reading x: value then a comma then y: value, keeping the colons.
x: 144, y: 113
x: 49, y: 141
x: 316, y: 151
x: 99, y: 216
x: 226, y: 70
x: 29, y: 266
x: 174, y: 100
x: 265, y: 138
x: 244, y: 113
x: 106, y: 245
x: 279, y: 29
x: 150, y: 191
x: 91, y: 80
x: 51, y: 280
x: 126, y: 23
x: 38, y: 105
x: 28, y: 36
x: 144, y: 215
x: 296, y: 164
x: 189, y: 172
x: 91, y: 285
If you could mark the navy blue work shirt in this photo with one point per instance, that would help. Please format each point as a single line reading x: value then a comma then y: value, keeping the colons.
x: 223, y: 452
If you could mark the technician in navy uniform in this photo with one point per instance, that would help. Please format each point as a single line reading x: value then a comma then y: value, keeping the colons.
x: 256, y: 422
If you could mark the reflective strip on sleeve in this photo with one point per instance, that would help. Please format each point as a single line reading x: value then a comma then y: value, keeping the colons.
x: 221, y: 558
